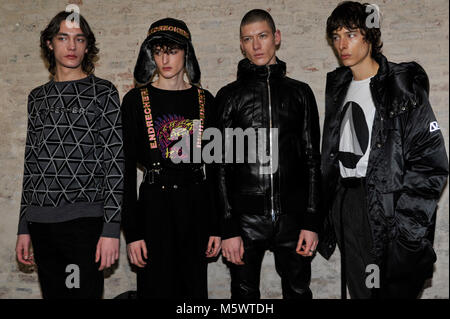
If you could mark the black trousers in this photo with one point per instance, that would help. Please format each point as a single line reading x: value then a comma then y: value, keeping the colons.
x: 176, y: 232
x: 294, y: 269
x: 350, y: 210
x: 353, y: 235
x: 65, y: 257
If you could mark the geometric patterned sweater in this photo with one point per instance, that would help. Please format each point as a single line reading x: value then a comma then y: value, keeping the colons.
x: 74, y: 160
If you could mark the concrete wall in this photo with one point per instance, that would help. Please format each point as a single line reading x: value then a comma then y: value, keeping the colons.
x: 412, y: 30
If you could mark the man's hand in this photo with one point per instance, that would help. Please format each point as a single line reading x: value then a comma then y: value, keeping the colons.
x: 107, y: 251
x: 135, y: 251
x: 307, y: 243
x: 23, y: 250
x: 213, y: 248
x: 233, y: 250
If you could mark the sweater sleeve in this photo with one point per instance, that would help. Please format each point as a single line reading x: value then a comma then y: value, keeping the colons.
x: 113, y: 163
x: 27, y: 171
x: 132, y: 227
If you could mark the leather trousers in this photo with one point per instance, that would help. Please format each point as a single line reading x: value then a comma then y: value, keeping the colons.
x: 280, y: 237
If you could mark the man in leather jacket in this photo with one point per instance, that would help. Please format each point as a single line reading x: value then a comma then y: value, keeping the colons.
x: 384, y: 164
x: 274, y: 209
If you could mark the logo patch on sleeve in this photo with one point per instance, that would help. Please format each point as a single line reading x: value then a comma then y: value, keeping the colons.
x: 434, y: 126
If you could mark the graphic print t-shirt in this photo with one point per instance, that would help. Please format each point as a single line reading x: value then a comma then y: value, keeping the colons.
x: 356, y: 130
x: 175, y: 121
x: 173, y: 115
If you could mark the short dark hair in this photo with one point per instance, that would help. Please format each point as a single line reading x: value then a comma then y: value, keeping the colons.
x: 52, y: 30
x: 257, y: 15
x: 352, y: 15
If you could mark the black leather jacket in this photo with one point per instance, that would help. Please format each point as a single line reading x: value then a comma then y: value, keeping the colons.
x: 407, y: 167
x: 293, y: 188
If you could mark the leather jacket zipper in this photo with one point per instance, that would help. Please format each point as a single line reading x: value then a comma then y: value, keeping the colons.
x: 272, y: 211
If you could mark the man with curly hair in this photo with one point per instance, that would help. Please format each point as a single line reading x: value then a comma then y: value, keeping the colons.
x: 73, y: 172
x: 384, y: 164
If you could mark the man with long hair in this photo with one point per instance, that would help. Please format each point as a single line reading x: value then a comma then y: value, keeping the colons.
x: 72, y: 183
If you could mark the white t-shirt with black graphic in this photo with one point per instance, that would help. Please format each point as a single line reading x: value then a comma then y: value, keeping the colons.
x: 356, y: 129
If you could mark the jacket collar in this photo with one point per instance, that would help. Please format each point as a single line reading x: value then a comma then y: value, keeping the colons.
x: 246, y: 69
x: 398, y: 86
x: 383, y: 70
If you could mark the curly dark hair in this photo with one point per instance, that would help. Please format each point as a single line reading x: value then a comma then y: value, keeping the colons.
x: 353, y: 15
x: 52, y: 30
x: 166, y: 45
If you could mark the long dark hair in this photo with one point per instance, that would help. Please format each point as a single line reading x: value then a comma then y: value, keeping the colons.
x: 52, y: 30
x: 353, y: 15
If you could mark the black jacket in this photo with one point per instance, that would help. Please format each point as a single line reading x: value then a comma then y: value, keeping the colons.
x: 407, y: 167
x: 293, y: 188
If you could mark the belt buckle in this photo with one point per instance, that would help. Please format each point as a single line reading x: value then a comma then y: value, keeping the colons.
x: 149, y: 174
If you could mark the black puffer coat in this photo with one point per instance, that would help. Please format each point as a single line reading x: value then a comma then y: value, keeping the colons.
x: 407, y: 169
x: 293, y: 188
